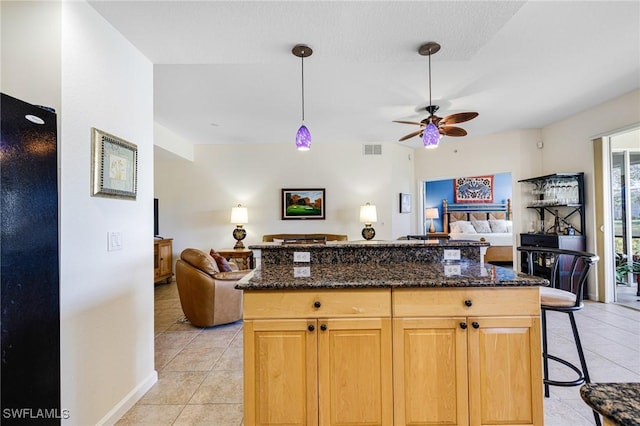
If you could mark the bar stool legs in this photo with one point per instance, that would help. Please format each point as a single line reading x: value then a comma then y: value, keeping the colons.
x: 583, y: 375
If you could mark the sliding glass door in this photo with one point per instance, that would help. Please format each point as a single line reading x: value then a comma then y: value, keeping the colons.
x: 625, y: 182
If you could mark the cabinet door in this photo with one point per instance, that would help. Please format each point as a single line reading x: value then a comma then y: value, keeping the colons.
x: 430, y: 371
x: 165, y: 260
x: 280, y: 372
x: 505, y: 371
x: 355, y: 371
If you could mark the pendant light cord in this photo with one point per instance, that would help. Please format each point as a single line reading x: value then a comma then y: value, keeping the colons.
x: 430, y: 107
x: 302, y: 58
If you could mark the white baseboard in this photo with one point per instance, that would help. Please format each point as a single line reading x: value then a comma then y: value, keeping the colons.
x: 129, y: 401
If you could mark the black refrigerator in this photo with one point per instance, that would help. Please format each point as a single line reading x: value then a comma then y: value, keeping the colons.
x: 29, y: 266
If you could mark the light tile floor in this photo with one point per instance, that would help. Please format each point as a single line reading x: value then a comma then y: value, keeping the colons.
x: 200, y: 369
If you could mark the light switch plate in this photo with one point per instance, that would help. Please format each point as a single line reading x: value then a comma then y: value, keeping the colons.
x: 301, y: 256
x: 451, y: 254
x: 114, y: 241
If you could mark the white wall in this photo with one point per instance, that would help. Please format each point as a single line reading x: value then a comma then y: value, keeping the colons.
x: 30, y: 51
x: 107, y: 332
x: 64, y: 55
x: 195, y: 198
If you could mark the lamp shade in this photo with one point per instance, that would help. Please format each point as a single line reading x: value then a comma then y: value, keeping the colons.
x: 303, y: 139
x: 368, y: 214
x: 431, y: 136
x: 431, y: 213
x: 239, y: 215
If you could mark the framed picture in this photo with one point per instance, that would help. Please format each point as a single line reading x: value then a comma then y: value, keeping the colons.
x: 115, y: 166
x: 303, y: 204
x: 405, y: 203
x: 478, y: 189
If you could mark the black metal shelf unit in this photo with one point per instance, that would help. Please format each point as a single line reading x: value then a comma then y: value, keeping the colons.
x: 566, y: 207
x: 565, y: 204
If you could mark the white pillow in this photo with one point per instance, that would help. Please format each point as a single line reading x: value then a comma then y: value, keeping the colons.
x: 278, y: 240
x: 481, y: 226
x: 509, y: 226
x: 462, y: 227
x: 498, y: 226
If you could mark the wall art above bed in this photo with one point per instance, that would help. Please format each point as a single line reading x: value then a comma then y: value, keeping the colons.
x: 478, y: 189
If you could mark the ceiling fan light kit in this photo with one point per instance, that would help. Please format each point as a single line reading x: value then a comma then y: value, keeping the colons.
x: 303, y: 136
x: 433, y: 127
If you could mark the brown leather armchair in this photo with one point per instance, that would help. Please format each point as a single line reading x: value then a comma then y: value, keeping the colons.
x: 208, y: 296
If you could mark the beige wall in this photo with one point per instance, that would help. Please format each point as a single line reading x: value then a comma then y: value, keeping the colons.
x: 196, y: 197
x: 569, y: 148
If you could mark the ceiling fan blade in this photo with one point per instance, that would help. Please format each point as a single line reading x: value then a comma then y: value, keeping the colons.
x: 453, y: 131
x: 460, y: 117
x: 410, y: 135
x: 409, y: 122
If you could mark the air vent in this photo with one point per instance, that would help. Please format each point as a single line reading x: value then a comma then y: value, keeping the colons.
x: 372, y: 149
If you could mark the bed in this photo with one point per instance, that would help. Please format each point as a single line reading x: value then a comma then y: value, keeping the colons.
x: 490, y: 222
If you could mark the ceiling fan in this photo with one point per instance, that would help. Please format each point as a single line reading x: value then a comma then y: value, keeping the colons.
x: 433, y: 127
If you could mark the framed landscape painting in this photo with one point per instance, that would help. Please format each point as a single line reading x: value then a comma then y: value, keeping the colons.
x: 303, y: 203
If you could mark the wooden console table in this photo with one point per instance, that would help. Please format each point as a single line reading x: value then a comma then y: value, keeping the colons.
x: 244, y: 257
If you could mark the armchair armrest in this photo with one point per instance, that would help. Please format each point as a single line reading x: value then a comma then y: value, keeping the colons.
x: 231, y: 276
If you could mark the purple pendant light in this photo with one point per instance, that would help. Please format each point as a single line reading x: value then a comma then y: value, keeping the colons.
x: 431, y: 134
x: 303, y: 136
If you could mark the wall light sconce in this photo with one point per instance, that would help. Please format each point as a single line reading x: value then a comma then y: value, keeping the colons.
x: 431, y: 213
x: 239, y: 216
x: 368, y: 215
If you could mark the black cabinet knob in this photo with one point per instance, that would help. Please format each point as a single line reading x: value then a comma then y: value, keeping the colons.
x: 311, y: 327
x: 475, y: 325
x: 463, y: 325
x: 468, y: 302
x: 323, y: 327
x: 317, y: 304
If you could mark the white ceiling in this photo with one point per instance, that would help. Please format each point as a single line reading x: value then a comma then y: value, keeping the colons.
x: 224, y: 71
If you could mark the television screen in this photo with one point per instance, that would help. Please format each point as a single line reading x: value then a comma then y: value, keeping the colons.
x: 156, y: 231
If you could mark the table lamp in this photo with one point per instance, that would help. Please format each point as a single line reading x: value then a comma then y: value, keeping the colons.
x: 431, y: 213
x: 239, y: 216
x: 368, y: 216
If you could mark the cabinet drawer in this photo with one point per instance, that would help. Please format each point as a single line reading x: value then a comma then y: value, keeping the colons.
x: 317, y: 304
x: 539, y: 240
x: 494, y: 301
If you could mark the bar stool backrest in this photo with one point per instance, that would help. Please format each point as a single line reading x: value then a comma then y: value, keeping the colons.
x: 565, y: 269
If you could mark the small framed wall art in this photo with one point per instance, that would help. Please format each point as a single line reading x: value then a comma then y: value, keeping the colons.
x: 303, y: 203
x: 405, y: 203
x: 115, y: 166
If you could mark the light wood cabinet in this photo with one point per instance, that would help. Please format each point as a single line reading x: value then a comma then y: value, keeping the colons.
x: 162, y: 260
x: 331, y: 366
x: 479, y: 367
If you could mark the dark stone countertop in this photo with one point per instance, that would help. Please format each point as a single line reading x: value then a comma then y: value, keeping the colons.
x: 619, y: 402
x: 375, y: 243
x: 390, y: 252
x: 375, y: 275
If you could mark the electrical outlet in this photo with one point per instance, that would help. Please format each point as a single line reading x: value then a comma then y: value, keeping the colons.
x: 452, y: 254
x: 301, y: 271
x: 451, y: 270
x: 114, y: 241
x: 301, y: 256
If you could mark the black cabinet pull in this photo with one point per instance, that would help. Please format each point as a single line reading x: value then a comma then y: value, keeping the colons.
x: 311, y: 327
x: 463, y: 325
x: 468, y: 302
x: 323, y: 327
x: 475, y: 325
x: 317, y: 304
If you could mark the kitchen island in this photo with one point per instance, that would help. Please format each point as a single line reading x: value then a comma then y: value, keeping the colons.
x: 393, y: 340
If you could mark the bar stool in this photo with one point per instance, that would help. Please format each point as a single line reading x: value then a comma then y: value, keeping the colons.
x: 567, y: 272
